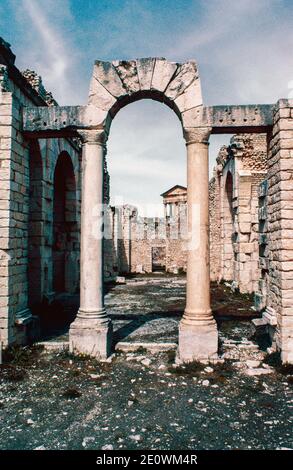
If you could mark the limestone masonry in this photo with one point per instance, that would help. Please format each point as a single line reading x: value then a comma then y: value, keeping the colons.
x: 59, y: 233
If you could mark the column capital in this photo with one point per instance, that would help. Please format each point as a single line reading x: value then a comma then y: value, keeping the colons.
x: 197, y: 135
x: 93, y: 136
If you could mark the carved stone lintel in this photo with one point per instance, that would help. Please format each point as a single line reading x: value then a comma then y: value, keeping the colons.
x: 197, y: 135
x: 94, y: 137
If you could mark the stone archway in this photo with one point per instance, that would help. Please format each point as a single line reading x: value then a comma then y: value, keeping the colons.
x: 113, y: 86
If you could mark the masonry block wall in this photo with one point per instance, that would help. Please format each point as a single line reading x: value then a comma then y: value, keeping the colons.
x: 215, y: 228
x: 234, y: 211
x: 280, y: 229
x: 136, y: 244
x: 263, y: 283
x: 27, y: 217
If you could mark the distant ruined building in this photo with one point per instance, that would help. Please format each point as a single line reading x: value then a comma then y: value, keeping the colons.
x: 41, y: 163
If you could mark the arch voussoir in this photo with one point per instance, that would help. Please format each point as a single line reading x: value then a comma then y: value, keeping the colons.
x: 185, y: 75
x: 127, y: 72
x: 145, y: 70
x: 163, y: 73
x: 106, y: 74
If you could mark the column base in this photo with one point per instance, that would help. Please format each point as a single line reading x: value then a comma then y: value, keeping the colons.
x: 197, y: 342
x: 91, y: 337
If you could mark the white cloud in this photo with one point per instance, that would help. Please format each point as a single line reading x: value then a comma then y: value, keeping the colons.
x: 243, y: 49
x: 49, y: 52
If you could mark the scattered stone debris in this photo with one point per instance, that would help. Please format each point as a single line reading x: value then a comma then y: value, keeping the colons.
x: 74, y: 402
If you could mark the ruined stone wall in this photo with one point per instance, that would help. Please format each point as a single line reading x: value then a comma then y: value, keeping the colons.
x: 215, y: 228
x: 234, y: 211
x: 279, y: 228
x: 137, y: 242
x: 111, y: 262
x: 263, y: 283
x: 26, y: 207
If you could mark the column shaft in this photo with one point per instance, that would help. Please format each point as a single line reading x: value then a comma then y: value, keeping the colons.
x: 90, y: 333
x: 197, y: 332
x: 91, y: 262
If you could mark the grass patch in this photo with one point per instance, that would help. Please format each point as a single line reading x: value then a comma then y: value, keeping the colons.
x: 141, y: 350
x: 192, y: 369
x: 171, y: 355
x: 71, y: 394
x: 286, y: 369
x: 267, y: 404
x: 13, y: 374
x: 221, y: 373
x: 22, y: 355
x: 274, y: 360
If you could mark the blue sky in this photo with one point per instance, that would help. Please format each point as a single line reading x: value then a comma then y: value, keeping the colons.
x: 243, y: 49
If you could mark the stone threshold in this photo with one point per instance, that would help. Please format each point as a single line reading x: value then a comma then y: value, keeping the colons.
x: 124, y: 346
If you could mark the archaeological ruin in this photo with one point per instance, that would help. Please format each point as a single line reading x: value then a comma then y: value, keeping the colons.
x: 59, y: 233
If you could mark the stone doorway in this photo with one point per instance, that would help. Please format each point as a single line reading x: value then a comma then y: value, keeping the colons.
x: 65, y: 231
x: 158, y: 258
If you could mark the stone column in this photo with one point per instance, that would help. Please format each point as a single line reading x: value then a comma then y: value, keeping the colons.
x: 165, y: 211
x: 91, y: 332
x: 198, y: 336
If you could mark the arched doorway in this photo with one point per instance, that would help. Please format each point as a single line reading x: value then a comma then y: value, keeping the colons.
x: 65, y: 230
x: 35, y: 227
x: 228, y: 226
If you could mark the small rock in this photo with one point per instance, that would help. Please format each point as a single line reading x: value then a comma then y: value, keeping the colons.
x: 86, y: 440
x: 135, y: 437
x: 107, y: 447
x: 190, y: 400
x: 94, y: 376
x: 30, y: 421
x: 40, y: 448
x: 146, y: 362
x: 252, y: 364
x: 205, y: 383
x: 130, y: 403
x: 209, y: 370
x: 259, y: 371
x: 161, y: 366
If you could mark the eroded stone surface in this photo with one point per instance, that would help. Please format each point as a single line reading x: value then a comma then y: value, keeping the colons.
x: 127, y: 72
x: 163, y: 73
x: 145, y: 69
x: 99, y: 96
x: 107, y: 75
x: 185, y: 75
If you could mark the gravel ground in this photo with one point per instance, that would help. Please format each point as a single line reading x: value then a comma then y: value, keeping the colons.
x: 140, y: 400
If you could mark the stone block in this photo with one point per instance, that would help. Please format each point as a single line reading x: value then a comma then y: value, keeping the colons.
x: 186, y: 74
x: 163, y: 73
x: 191, y: 98
x: 94, y: 340
x: 145, y: 68
x: 127, y: 72
x: 197, y: 343
x: 107, y: 75
x: 99, y: 96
